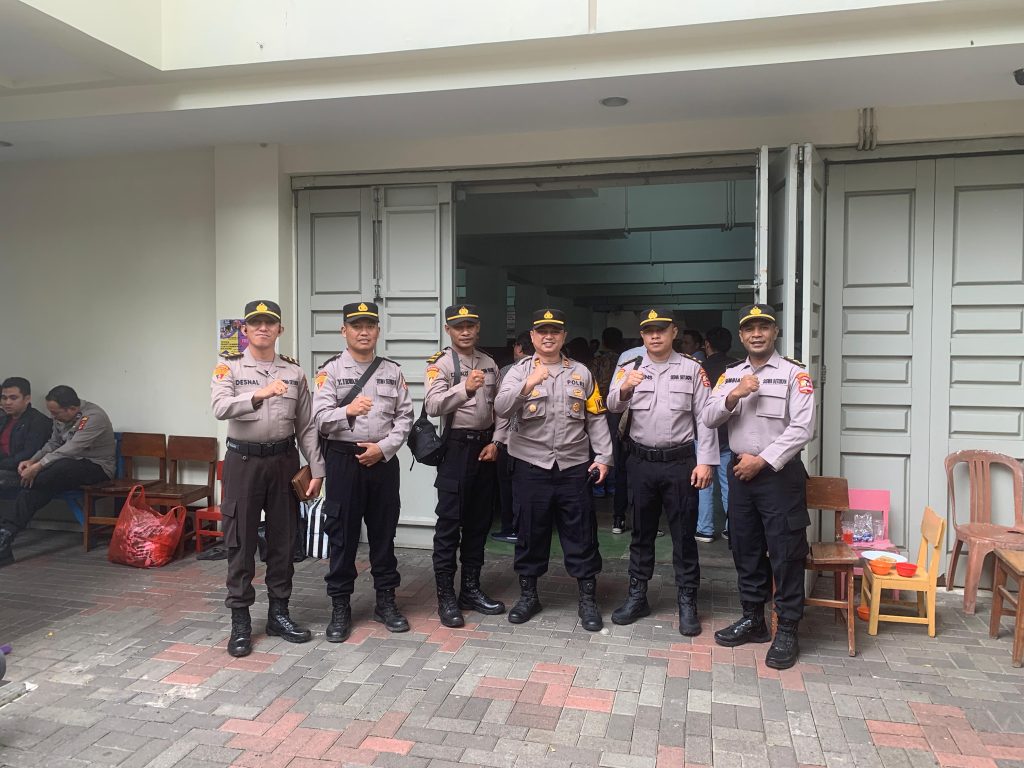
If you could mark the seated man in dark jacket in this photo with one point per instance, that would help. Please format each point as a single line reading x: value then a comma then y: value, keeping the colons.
x: 23, y: 429
x: 80, y: 452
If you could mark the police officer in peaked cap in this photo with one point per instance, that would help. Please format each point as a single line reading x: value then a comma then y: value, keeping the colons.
x: 557, y: 415
x: 363, y: 433
x: 466, y: 479
x: 768, y: 403
x: 664, y: 393
x: 265, y: 399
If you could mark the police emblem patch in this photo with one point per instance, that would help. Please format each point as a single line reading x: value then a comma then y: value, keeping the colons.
x: 804, y: 383
x: 720, y: 382
x: 221, y: 371
x: 704, y: 378
x: 321, y: 377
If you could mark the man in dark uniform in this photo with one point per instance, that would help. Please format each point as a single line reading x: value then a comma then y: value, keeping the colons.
x: 768, y: 402
x: 557, y: 414
x: 363, y: 436
x: 23, y: 429
x: 265, y: 398
x: 663, y: 396
x: 466, y: 477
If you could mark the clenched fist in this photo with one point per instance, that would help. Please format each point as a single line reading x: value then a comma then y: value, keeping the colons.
x: 630, y: 382
x: 273, y: 389
x: 359, y: 407
x: 747, y: 386
x: 537, y: 376
x: 474, y: 381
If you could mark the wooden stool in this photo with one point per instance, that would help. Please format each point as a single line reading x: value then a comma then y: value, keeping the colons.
x: 1009, y: 563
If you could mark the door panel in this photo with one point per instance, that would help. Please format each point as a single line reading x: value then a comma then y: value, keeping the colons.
x: 808, y: 328
x: 978, y: 348
x: 878, y: 318
x: 393, y: 245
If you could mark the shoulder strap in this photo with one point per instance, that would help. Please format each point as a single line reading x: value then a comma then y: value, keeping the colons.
x: 361, y: 383
x: 635, y: 362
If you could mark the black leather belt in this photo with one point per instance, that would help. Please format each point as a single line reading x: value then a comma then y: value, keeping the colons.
x: 471, y: 435
x: 340, y: 446
x: 675, y: 453
x: 261, y: 449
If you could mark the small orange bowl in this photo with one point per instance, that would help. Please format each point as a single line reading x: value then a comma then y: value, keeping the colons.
x: 906, y: 569
x: 863, y: 613
x: 880, y: 566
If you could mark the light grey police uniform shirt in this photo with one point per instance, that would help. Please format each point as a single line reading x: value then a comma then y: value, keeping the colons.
x: 390, y: 418
x: 90, y: 436
x: 443, y: 397
x: 667, y: 404
x: 552, y: 423
x: 777, y: 420
x: 237, y: 378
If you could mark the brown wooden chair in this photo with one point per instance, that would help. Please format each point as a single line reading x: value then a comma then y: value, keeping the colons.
x: 186, y: 450
x: 981, y: 535
x: 1009, y: 563
x: 133, y: 446
x: 837, y: 557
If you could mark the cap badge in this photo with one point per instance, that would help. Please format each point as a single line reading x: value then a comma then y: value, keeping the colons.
x: 463, y: 311
x: 362, y: 307
x: 548, y: 315
x: 261, y: 307
x: 755, y: 310
x: 652, y: 314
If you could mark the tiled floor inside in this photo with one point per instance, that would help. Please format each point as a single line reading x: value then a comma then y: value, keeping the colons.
x: 127, y: 668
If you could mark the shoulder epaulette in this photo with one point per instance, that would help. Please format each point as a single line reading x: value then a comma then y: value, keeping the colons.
x: 389, y: 360
x: 690, y: 357
x: 733, y: 365
x: 328, y: 360
x: 794, y: 361
x: 231, y: 355
x: 288, y: 359
x: 437, y: 355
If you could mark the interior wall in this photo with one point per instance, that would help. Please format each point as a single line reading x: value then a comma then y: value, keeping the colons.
x: 108, y: 284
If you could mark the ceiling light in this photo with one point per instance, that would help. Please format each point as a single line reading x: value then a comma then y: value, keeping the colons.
x: 615, y: 101
x: 5, y: 144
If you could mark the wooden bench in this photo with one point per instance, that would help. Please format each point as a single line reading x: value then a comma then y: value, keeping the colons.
x: 1009, y: 563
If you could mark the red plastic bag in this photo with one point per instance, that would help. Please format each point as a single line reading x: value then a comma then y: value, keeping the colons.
x: 143, y: 537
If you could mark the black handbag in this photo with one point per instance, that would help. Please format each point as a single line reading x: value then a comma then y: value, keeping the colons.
x: 426, y: 445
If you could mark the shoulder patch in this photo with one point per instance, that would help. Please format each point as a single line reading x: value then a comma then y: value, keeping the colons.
x: 288, y: 359
x: 328, y: 360
x: 794, y: 361
x: 733, y: 365
x: 231, y: 355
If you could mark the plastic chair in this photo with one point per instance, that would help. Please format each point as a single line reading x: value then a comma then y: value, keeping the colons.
x: 929, y: 555
x: 981, y: 535
x: 210, y: 515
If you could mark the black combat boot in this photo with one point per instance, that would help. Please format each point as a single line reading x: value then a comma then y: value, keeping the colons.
x: 280, y: 624
x: 387, y: 613
x: 590, y: 616
x: 6, y: 551
x: 636, y: 605
x: 689, y: 622
x: 340, y: 626
x: 528, y: 605
x: 785, y: 647
x: 472, y: 598
x: 447, y: 606
x: 240, y: 642
x: 750, y: 629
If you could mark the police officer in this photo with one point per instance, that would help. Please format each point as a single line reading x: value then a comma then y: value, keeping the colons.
x: 664, y: 395
x: 466, y: 477
x: 363, y: 437
x: 768, y: 402
x: 557, y: 414
x: 265, y: 399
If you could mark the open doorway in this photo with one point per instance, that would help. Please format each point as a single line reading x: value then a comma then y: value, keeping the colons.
x: 605, y: 250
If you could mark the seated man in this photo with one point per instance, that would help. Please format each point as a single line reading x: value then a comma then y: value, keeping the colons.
x: 80, y: 452
x: 23, y: 429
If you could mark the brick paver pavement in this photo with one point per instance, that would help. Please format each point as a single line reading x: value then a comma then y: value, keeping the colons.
x: 127, y: 669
